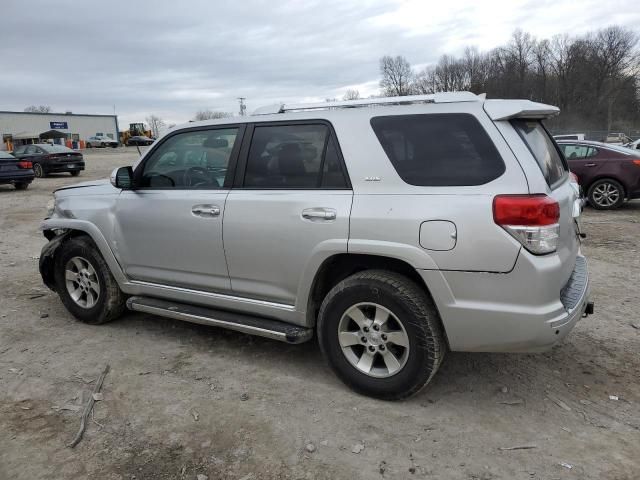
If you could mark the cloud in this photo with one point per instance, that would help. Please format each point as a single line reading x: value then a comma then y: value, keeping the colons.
x: 174, y: 58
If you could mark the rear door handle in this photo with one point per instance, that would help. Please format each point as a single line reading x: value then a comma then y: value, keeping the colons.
x: 590, y: 164
x: 205, y: 210
x: 319, y: 214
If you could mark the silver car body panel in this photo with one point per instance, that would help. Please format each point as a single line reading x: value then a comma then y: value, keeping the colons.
x: 260, y: 256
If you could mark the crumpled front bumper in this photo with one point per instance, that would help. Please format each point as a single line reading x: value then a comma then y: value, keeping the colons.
x: 47, y: 260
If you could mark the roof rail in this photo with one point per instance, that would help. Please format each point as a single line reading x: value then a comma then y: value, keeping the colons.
x: 445, y: 97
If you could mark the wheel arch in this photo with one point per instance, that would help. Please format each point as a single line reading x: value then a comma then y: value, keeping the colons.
x: 58, y: 232
x: 337, y: 267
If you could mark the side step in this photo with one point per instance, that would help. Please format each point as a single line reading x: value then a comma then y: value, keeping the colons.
x: 263, y: 327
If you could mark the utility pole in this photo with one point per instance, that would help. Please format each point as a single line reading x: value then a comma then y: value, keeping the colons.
x: 243, y: 107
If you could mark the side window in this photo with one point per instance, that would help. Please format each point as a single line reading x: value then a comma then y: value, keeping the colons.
x: 437, y: 150
x: 197, y: 159
x: 293, y: 156
x: 592, y: 152
x: 20, y: 150
x: 575, y: 152
x: 31, y: 150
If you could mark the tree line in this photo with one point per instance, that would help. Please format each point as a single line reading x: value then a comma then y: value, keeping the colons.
x: 593, y: 78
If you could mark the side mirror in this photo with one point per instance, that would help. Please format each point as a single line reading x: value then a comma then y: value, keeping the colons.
x: 122, y: 177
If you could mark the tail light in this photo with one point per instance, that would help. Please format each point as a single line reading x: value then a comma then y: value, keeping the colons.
x: 530, y: 219
x: 25, y: 165
x: 637, y: 162
x: 574, y: 177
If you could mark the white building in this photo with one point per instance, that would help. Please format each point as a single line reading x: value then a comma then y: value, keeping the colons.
x: 17, y: 128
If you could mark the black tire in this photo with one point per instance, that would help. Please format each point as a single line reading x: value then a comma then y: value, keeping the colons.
x: 38, y: 170
x: 414, y: 310
x: 88, y: 145
x: 601, y: 202
x: 110, y: 303
x: 75, y: 173
x: 21, y: 185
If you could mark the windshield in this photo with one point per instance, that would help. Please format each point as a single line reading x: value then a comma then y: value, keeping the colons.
x: 543, y: 149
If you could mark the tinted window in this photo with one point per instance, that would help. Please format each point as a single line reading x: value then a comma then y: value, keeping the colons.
x: 31, y: 150
x: 575, y: 152
x: 20, y: 149
x: 198, y: 159
x: 439, y: 149
x: 293, y: 156
x: 543, y: 149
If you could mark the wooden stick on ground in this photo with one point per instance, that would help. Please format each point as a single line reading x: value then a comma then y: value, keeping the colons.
x: 87, y: 409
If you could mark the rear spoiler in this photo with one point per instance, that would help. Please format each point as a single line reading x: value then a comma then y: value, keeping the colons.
x: 508, y: 109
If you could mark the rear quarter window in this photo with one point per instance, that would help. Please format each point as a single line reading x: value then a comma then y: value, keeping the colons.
x: 543, y: 149
x: 436, y: 150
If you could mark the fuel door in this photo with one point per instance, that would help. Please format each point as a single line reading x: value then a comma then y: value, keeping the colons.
x: 439, y: 235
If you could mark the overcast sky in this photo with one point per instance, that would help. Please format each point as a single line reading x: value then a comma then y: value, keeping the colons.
x: 172, y: 58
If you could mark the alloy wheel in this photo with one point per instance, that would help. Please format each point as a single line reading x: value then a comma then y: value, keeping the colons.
x: 37, y: 170
x: 606, y: 194
x: 82, y: 282
x: 373, y: 340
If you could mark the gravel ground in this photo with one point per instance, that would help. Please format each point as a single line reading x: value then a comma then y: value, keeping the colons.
x: 184, y: 400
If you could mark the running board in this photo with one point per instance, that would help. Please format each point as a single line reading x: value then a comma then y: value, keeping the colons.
x: 263, y: 327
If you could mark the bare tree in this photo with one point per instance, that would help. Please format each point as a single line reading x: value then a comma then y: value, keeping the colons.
x: 38, y: 109
x: 210, y: 115
x: 397, y: 76
x: 156, y: 125
x: 351, y: 94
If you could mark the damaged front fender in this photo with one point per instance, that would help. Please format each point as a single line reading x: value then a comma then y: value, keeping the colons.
x: 47, y: 259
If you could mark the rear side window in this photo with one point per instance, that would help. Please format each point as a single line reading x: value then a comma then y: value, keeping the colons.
x: 439, y: 149
x: 293, y: 156
x: 543, y: 149
x: 576, y: 152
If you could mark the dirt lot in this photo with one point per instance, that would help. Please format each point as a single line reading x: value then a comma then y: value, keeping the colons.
x: 183, y: 400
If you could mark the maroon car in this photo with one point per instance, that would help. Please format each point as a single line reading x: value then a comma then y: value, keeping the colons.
x: 609, y: 174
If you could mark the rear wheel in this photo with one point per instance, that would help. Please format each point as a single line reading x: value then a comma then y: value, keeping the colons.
x: 381, y: 334
x: 21, y: 185
x: 85, y: 284
x: 88, y: 145
x: 75, y: 173
x: 38, y: 170
x: 606, y: 194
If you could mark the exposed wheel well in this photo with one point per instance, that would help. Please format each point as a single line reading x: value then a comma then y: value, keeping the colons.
x: 338, y: 267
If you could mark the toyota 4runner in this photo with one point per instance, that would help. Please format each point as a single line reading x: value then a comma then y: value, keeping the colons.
x: 394, y: 228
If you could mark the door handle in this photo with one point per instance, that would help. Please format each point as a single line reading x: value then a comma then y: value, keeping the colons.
x: 590, y: 164
x: 205, y: 210
x: 315, y: 214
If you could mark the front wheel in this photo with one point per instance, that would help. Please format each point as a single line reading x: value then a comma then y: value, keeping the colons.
x: 75, y: 173
x: 21, y: 185
x: 606, y: 194
x: 381, y: 334
x: 85, y: 284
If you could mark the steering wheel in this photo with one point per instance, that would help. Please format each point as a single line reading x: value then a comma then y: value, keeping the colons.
x: 196, y: 177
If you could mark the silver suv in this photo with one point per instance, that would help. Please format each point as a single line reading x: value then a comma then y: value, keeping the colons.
x: 394, y: 228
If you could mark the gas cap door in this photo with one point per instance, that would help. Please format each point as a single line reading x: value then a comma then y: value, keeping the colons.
x: 439, y: 235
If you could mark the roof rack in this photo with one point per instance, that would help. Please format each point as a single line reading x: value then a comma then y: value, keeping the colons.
x: 445, y: 97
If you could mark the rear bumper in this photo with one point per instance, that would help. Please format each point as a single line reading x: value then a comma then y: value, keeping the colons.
x: 63, y: 167
x: 512, y: 312
x: 17, y: 176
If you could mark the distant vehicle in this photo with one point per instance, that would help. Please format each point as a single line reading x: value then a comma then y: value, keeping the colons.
x: 48, y: 158
x: 13, y: 171
x: 617, y: 139
x: 608, y: 173
x: 570, y: 136
x: 139, y: 140
x: 635, y: 145
x: 101, y: 141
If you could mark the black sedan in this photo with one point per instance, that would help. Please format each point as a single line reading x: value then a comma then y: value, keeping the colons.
x: 18, y: 173
x: 48, y: 158
x: 139, y: 140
